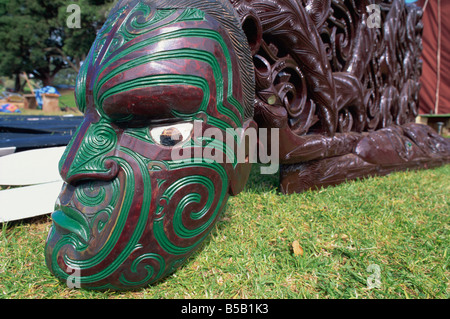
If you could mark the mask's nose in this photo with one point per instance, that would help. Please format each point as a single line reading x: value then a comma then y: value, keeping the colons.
x: 88, y: 155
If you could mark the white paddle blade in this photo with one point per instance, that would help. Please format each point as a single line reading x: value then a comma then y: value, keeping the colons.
x: 6, y: 151
x: 30, y: 201
x: 31, y: 167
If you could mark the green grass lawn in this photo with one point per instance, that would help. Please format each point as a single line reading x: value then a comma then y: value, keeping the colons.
x: 67, y: 99
x: 397, y: 224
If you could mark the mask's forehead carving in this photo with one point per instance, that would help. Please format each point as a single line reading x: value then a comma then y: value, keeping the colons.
x: 145, y: 53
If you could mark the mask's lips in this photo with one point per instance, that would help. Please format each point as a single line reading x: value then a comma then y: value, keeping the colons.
x: 73, y: 221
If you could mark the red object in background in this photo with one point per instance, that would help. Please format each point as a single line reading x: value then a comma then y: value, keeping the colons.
x: 435, y: 99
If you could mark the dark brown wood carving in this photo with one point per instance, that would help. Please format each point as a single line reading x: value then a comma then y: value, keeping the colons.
x: 341, y: 86
x: 171, y: 90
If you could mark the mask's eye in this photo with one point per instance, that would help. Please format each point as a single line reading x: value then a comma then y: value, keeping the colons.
x: 171, y: 135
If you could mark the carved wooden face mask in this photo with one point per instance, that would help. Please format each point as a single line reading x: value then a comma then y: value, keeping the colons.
x: 155, y: 80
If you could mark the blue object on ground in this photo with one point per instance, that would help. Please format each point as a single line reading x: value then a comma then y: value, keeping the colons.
x: 38, y: 93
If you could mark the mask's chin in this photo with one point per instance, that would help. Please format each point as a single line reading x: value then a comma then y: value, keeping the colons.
x: 86, y: 228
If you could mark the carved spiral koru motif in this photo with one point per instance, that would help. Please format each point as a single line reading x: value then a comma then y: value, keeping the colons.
x: 285, y: 31
x: 346, y: 64
x: 94, y: 236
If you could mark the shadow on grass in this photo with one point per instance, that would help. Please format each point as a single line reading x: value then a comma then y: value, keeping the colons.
x: 260, y: 183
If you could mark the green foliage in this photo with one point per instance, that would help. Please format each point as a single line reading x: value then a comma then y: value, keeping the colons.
x: 78, y: 41
x: 66, y: 77
x: 36, y: 40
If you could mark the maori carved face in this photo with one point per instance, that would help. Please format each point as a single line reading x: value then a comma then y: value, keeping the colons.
x: 129, y: 214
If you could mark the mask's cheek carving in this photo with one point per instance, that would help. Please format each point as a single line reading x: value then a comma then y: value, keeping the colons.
x: 190, y: 199
x: 139, y: 227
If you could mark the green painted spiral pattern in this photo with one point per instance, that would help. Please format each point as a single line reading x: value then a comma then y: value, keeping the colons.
x: 184, y: 184
x: 72, y: 240
x: 99, y: 140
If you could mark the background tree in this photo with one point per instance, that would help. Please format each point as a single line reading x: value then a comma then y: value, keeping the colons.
x: 35, y: 37
x: 78, y: 41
